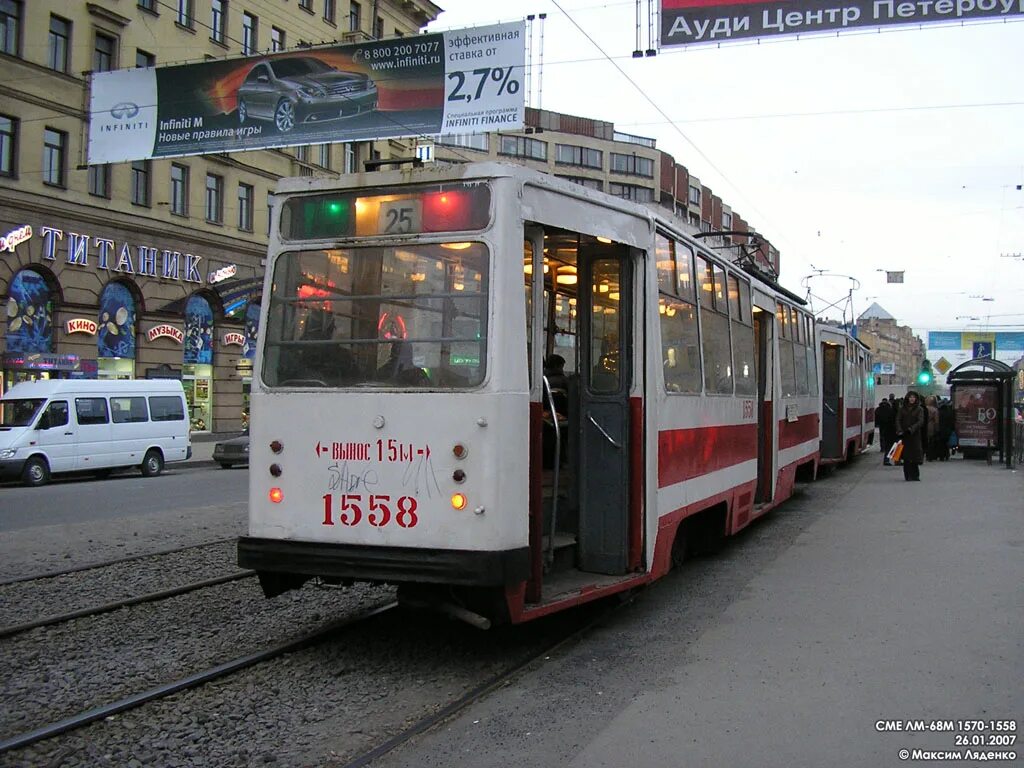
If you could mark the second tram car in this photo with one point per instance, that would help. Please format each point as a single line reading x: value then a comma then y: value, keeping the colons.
x: 509, y: 394
x: 847, y: 395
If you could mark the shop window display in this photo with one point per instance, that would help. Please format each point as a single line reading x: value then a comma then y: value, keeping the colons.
x: 115, y: 334
x: 29, y: 314
x: 197, y: 368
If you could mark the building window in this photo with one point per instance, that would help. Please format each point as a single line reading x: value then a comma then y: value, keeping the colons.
x: 60, y: 43
x: 10, y: 27
x: 329, y: 11
x: 55, y: 145
x: 520, y: 146
x: 147, y: 5
x: 694, y: 195
x: 218, y: 18
x: 103, y: 53
x: 140, y: 182
x: 306, y: 5
x: 144, y: 58
x: 378, y: 28
x: 8, y: 146
x: 583, y: 181
x: 276, y: 39
x: 637, y: 166
x: 478, y: 141
x: 355, y: 20
x: 302, y: 152
x: 250, y: 34
x: 179, y: 189
x: 214, y: 198
x: 245, y: 207
x: 270, y: 212
x: 351, y: 158
x: 185, y: 13
x: 324, y: 155
x: 569, y: 154
x: 631, y: 192
x: 99, y: 180
x: 726, y: 220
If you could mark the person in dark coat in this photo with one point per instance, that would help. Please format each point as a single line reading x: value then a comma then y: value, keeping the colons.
x: 885, y: 420
x: 910, y: 426
x: 946, y: 427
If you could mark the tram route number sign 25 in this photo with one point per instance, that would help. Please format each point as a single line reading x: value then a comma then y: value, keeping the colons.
x: 375, y: 509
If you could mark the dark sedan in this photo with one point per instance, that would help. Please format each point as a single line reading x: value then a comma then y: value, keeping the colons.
x: 227, y: 453
x: 303, y: 89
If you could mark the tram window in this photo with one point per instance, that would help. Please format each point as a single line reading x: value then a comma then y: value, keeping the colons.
x: 606, y: 351
x: 787, y: 367
x: 734, y: 298
x: 398, y: 316
x: 800, y: 368
x: 782, y: 316
x: 706, y: 281
x: 720, y: 301
x: 812, y: 370
x: 717, y: 357
x: 680, y: 350
x: 744, y: 366
x: 684, y: 272
x: 664, y: 257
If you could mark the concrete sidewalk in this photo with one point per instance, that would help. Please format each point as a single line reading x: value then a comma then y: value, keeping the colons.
x: 868, y: 599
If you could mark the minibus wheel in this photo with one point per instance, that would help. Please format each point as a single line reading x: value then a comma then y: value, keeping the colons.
x: 36, y: 472
x: 153, y: 464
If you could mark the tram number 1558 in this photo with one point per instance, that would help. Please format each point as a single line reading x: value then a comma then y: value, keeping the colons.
x: 378, y: 506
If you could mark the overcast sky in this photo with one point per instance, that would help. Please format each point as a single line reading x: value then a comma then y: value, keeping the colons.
x: 899, y: 150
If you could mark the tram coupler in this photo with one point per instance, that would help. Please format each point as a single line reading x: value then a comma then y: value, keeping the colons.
x: 426, y: 600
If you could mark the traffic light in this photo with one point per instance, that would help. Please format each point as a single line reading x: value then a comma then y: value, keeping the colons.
x: 924, y: 378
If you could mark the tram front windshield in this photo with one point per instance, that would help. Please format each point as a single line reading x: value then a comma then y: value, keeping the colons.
x: 378, y: 317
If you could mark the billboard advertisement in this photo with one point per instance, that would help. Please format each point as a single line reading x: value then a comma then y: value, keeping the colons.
x: 690, y: 22
x: 462, y: 81
x: 977, y: 415
x: 956, y: 347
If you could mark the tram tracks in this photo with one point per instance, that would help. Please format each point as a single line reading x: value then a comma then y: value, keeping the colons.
x: 134, y: 701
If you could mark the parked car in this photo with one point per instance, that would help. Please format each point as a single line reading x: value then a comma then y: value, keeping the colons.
x: 234, y: 451
x: 303, y: 89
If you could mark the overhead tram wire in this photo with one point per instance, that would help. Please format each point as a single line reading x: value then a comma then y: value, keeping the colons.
x: 662, y: 112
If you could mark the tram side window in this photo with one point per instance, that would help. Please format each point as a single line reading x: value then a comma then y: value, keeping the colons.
x: 799, y: 356
x: 744, y: 362
x: 677, y: 315
x: 810, y: 354
x: 528, y: 274
x: 786, y: 364
x: 714, y: 320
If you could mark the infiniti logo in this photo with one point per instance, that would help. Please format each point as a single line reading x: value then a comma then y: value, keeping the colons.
x: 124, y: 110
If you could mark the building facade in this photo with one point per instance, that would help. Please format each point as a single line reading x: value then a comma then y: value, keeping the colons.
x: 897, y: 352
x: 152, y: 268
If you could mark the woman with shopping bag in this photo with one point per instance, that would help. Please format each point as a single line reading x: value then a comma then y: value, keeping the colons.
x: 909, y: 424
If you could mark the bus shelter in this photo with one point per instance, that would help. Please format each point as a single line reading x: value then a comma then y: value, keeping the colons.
x: 982, y: 391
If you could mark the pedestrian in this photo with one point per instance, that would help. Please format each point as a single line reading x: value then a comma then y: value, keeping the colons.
x: 885, y: 420
x: 946, y: 427
x: 910, y: 425
x: 931, y: 434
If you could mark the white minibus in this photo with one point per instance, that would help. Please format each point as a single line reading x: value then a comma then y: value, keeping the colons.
x: 75, y: 425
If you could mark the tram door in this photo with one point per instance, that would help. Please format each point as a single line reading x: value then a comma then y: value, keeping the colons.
x: 605, y: 280
x: 765, y: 367
x: 832, y: 401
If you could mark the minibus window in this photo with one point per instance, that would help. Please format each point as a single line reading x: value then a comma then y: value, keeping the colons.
x: 19, y: 413
x: 56, y: 415
x: 91, y: 410
x: 128, y: 410
x: 165, y: 408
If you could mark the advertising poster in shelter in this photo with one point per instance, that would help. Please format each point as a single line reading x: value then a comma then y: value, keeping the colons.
x: 461, y: 81
x: 977, y: 415
x: 693, y: 22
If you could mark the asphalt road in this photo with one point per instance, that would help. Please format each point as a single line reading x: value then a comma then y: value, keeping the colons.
x: 122, y: 495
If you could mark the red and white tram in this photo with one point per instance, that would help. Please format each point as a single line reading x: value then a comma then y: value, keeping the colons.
x: 510, y: 394
x: 847, y: 399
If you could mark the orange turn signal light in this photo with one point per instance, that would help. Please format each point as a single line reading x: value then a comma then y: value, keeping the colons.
x: 458, y: 501
x: 459, y: 451
x: 276, y: 495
